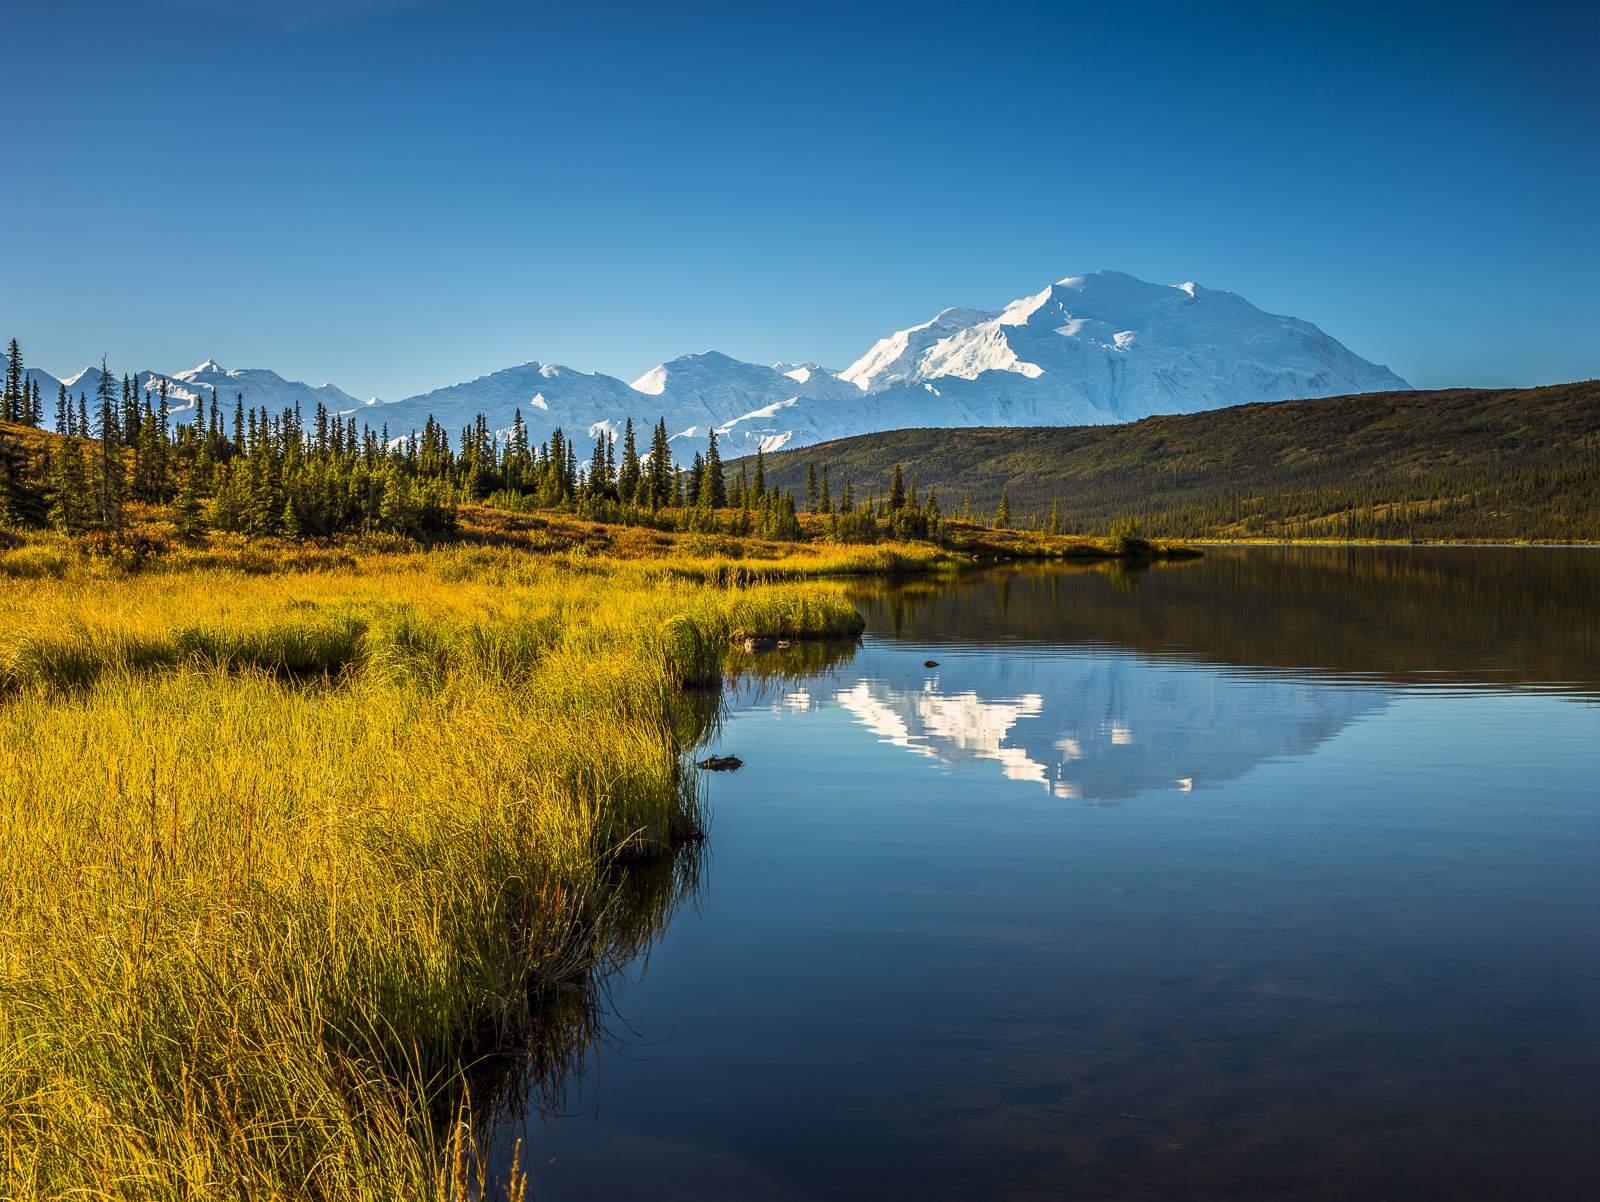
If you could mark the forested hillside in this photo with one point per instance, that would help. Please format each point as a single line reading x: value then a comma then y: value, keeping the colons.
x: 1452, y: 464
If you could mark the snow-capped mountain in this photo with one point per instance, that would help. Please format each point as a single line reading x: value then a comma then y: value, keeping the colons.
x: 260, y: 389
x: 264, y: 388
x: 547, y: 394
x: 692, y: 392
x: 1087, y: 350
x: 712, y: 384
x: 1107, y: 348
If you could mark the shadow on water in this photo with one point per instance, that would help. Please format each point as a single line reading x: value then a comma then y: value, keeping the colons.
x: 573, y: 1020
x: 532, y: 1081
x: 1402, y: 615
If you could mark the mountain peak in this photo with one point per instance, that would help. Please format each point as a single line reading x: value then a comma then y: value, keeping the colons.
x: 1114, y: 347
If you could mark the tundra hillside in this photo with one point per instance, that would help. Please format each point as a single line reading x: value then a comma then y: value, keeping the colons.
x: 1458, y: 465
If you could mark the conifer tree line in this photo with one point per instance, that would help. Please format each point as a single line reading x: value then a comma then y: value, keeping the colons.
x: 894, y: 514
x: 22, y: 404
x: 226, y: 467
x: 287, y: 475
x: 293, y: 475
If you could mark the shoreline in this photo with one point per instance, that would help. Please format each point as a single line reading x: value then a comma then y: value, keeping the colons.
x: 1327, y: 542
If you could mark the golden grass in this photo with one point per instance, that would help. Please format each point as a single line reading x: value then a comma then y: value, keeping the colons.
x: 293, y: 838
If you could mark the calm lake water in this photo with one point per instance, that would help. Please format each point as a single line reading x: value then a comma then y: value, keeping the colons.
x: 1269, y: 875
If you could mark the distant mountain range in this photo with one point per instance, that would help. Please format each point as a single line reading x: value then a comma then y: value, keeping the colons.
x: 258, y: 387
x: 1089, y: 350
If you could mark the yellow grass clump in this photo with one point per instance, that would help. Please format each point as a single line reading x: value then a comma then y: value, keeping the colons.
x: 288, y: 854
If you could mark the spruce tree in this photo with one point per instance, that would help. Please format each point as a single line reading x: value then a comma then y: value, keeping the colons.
x: 266, y: 496
x: 628, y: 474
x: 715, y: 480
x: 69, y: 478
x: 824, y: 498
x: 1055, y: 517
x: 558, y: 458
x: 109, y: 461
x: 64, y: 421
x: 661, y: 471
x: 129, y: 423
x: 811, y: 488
x: 151, y: 457
x: 897, y: 492
x: 188, y: 509
x: 742, y: 522
x: 696, y: 489
x: 517, y: 451
x: 14, y: 491
x: 16, y: 380
x: 396, y: 512
x: 1002, y: 516
x: 759, y: 481
x: 83, y: 417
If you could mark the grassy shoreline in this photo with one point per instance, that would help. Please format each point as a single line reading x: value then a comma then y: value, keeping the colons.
x: 1381, y: 542
x: 151, y: 545
x: 290, y: 851
x: 302, y: 835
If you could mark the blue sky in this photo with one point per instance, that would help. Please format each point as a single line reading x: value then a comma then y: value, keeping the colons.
x: 397, y: 196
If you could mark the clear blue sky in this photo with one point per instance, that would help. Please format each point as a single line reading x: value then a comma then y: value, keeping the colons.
x: 397, y: 196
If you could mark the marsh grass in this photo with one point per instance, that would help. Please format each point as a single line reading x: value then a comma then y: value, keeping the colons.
x: 297, y: 861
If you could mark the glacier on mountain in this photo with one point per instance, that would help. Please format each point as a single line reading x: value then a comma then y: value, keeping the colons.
x: 1087, y: 350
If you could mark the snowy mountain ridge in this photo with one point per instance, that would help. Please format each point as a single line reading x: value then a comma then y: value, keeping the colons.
x: 258, y: 388
x: 1086, y: 350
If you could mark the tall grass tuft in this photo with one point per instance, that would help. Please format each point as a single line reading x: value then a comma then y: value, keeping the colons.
x: 294, y: 862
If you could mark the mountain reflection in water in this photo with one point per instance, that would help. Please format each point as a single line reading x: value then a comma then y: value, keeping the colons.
x: 1099, y: 728
x: 1268, y: 875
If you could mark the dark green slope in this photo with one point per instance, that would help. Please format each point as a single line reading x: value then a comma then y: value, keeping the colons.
x: 1456, y: 463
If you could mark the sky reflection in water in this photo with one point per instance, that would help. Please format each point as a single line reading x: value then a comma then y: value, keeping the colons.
x: 1270, y: 876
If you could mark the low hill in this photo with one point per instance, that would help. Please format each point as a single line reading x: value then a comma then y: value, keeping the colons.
x: 1450, y: 464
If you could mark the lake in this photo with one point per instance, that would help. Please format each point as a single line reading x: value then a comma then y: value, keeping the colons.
x: 1266, y: 875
